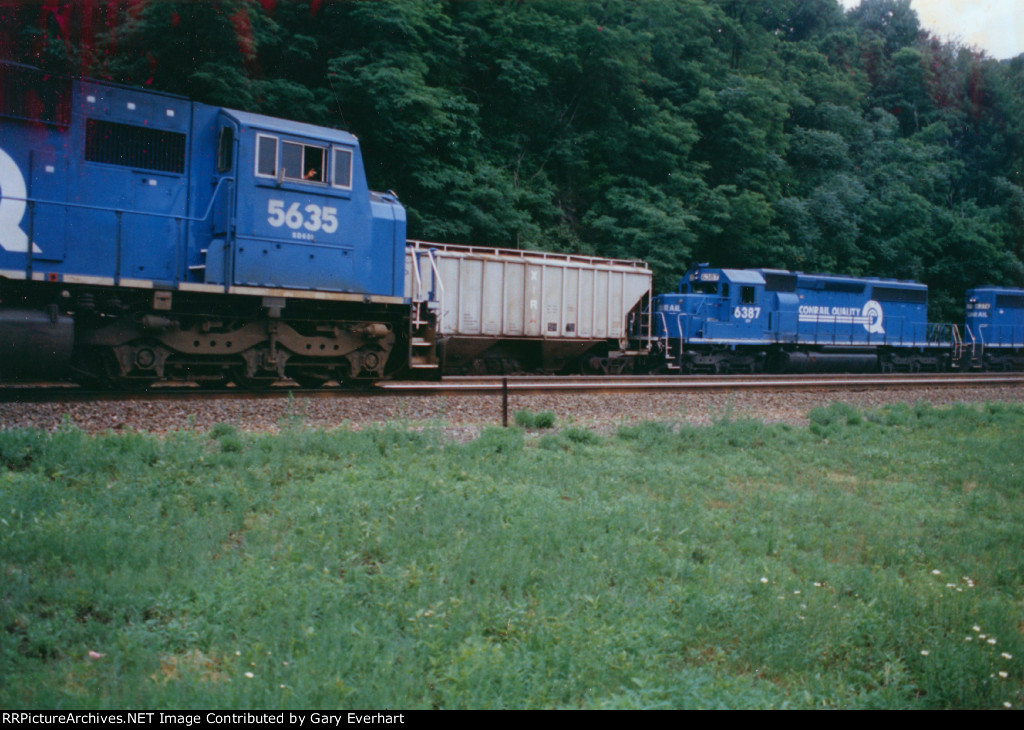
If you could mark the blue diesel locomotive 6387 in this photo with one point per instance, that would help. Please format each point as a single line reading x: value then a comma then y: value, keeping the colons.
x: 752, y: 320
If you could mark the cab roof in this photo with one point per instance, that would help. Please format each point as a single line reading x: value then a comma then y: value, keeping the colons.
x: 298, y: 129
x: 742, y: 276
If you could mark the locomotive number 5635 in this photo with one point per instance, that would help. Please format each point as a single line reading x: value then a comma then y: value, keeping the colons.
x: 319, y: 218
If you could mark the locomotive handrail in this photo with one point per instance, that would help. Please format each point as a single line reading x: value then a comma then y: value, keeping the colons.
x: 1001, y: 335
x: 939, y: 333
x: 664, y: 325
x: 190, y: 219
x: 665, y: 340
x: 899, y: 332
x: 119, y: 214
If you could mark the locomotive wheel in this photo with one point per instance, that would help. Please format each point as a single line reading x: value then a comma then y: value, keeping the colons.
x: 309, y: 380
x: 245, y: 381
x: 133, y: 385
x: 96, y: 368
x: 87, y: 369
x: 216, y: 384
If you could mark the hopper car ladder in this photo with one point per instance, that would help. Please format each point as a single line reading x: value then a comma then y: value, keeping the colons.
x: 423, y: 323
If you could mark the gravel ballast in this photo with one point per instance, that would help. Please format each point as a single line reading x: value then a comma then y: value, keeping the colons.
x: 462, y: 416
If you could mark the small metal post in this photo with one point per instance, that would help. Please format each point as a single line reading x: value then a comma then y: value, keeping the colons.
x: 504, y: 402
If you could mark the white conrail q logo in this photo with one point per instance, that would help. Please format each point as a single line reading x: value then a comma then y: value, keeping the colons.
x: 12, y: 206
x: 870, y: 315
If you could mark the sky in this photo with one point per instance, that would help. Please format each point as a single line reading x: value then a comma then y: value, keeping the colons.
x: 995, y: 26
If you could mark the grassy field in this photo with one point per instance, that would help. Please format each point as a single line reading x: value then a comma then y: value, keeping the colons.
x: 871, y: 560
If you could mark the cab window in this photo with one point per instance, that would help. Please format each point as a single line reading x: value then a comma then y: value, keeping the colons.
x: 342, y: 176
x: 266, y: 156
x: 290, y: 160
x: 303, y: 162
x: 225, y: 149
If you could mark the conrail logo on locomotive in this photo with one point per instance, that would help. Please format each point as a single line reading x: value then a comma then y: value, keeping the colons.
x: 12, y: 206
x: 870, y: 315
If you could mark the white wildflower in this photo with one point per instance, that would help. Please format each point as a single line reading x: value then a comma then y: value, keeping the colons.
x: 1006, y: 655
x: 925, y: 652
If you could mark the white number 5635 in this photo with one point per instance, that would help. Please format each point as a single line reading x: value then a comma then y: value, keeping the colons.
x: 316, y: 219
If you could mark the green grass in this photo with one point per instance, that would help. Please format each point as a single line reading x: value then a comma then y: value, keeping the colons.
x: 529, y: 419
x: 866, y: 561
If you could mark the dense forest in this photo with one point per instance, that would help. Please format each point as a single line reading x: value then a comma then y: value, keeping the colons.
x: 775, y: 133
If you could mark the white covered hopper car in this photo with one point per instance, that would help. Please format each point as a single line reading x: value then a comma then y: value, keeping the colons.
x: 492, y: 311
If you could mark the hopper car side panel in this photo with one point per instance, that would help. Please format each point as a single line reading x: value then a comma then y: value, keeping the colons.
x: 504, y: 310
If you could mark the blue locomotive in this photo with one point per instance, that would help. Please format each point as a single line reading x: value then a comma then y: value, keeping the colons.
x: 994, y: 328
x: 754, y: 320
x: 144, y: 236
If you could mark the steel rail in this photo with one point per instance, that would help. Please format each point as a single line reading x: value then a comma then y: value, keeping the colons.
x: 38, y: 393
x: 577, y: 384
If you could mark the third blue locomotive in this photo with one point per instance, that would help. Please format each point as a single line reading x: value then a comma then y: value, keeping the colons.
x: 995, y: 327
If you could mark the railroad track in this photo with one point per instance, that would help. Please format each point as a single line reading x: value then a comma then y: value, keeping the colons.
x: 640, y: 383
x: 528, y: 384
